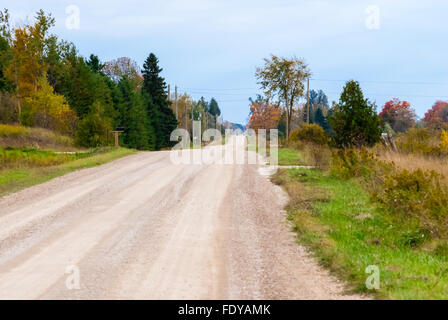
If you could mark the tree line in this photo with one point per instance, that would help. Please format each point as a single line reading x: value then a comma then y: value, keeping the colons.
x: 351, y: 122
x: 44, y: 82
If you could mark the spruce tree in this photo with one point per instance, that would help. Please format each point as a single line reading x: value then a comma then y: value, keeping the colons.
x: 157, y: 105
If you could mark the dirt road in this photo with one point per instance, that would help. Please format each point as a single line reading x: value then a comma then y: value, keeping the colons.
x: 143, y: 227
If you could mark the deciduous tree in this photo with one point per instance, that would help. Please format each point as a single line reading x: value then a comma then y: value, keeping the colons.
x: 263, y: 115
x: 437, y: 117
x: 284, y: 79
x: 398, y: 114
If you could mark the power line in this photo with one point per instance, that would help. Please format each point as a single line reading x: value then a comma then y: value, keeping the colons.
x: 220, y: 89
x: 385, y: 82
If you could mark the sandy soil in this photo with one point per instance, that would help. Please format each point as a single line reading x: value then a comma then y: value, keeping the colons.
x: 142, y: 227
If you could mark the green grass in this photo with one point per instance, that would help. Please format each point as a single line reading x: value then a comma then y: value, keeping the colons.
x: 286, y: 156
x: 289, y: 157
x: 31, y: 157
x: 25, y: 175
x: 347, y: 232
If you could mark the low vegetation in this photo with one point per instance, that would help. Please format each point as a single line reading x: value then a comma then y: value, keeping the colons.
x: 37, y: 166
x: 30, y: 156
x: 348, y: 231
x: 15, y: 136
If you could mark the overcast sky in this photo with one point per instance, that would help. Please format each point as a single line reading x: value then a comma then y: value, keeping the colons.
x: 211, y: 48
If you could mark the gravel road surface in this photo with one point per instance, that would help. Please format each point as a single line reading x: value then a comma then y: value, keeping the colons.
x: 142, y: 227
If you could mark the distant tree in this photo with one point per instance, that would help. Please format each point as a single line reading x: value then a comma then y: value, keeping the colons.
x: 398, y: 114
x: 124, y: 66
x: 354, y: 120
x: 95, y: 64
x: 204, y: 104
x: 213, y: 108
x: 93, y: 128
x: 5, y: 59
x: 28, y: 47
x: 320, y: 119
x: 263, y: 115
x: 283, y: 79
x: 49, y: 110
x: 82, y: 87
x: 139, y: 133
x: 318, y: 99
x: 437, y: 117
x: 163, y: 119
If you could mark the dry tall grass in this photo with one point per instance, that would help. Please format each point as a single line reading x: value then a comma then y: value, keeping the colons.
x: 413, y: 162
x: 23, y: 137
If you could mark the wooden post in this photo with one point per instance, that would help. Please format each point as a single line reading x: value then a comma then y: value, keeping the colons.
x: 116, y: 133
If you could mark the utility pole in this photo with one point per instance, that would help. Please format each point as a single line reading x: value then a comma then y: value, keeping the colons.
x: 308, y: 100
x: 186, y: 116
x: 169, y: 93
x: 175, y: 97
x: 192, y: 117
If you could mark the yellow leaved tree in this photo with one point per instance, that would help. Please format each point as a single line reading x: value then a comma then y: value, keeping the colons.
x: 46, y: 109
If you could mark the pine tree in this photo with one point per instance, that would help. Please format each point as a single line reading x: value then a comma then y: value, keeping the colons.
x: 158, y: 108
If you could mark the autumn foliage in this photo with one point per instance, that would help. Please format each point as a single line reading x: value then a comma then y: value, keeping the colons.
x: 398, y: 114
x: 263, y: 115
x: 437, y: 116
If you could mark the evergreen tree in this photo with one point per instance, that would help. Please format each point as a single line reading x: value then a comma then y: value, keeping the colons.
x: 354, y: 120
x: 321, y: 119
x: 95, y: 64
x: 214, y: 109
x: 5, y: 58
x: 204, y: 104
x: 139, y: 133
x: 158, y: 108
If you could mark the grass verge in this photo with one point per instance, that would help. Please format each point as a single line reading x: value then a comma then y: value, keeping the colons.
x: 289, y: 157
x: 347, y: 232
x: 15, y: 179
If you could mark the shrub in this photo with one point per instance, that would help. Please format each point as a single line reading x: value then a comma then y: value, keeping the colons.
x: 310, y: 133
x: 351, y: 163
x: 419, y: 141
x: 417, y: 195
x: 21, y: 137
x: 94, y: 128
x: 12, y: 131
x: 316, y: 155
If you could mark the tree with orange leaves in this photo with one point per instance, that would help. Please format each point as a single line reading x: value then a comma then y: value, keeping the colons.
x: 398, y: 114
x: 263, y: 115
x: 437, y: 116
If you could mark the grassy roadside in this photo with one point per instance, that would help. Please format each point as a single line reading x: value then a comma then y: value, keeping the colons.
x: 348, y: 232
x: 286, y: 156
x: 15, y: 179
x: 289, y: 157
